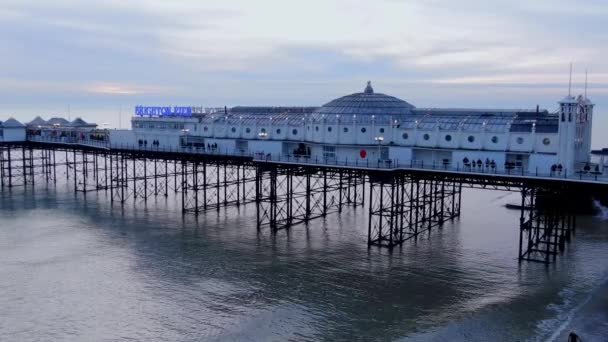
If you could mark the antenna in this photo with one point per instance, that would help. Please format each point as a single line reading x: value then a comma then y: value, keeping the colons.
x: 570, y: 81
x: 585, y: 84
x: 120, y: 117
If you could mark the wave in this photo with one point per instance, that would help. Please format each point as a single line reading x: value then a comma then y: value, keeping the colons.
x: 602, y: 211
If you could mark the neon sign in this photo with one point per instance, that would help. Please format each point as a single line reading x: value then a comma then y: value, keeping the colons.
x: 165, y: 111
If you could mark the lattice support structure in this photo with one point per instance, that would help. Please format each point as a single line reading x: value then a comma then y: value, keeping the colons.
x: 401, y: 207
x: 22, y: 165
x: 212, y: 185
x: 90, y: 170
x: 290, y: 195
x: 546, y: 224
x: 138, y: 177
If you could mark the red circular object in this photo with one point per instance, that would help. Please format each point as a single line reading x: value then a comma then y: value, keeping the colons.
x: 362, y: 153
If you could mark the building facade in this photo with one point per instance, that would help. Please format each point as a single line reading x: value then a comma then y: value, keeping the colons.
x: 366, y: 128
x: 370, y: 127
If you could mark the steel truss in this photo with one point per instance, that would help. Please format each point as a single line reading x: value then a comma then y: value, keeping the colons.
x: 402, y: 204
x: 216, y: 184
x: 402, y: 207
x: 289, y: 195
x: 22, y: 165
x: 546, y: 224
x: 139, y: 177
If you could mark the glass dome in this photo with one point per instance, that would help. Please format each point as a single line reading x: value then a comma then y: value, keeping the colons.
x: 365, y: 106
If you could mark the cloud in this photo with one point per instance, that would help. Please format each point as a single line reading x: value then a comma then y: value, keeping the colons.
x: 279, y: 52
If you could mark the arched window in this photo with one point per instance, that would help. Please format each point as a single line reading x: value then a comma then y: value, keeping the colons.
x: 278, y: 131
x: 263, y: 130
x: 205, y: 128
x: 329, y: 129
x: 405, y: 136
x: 233, y: 129
x: 345, y: 129
x: 381, y: 130
x: 247, y: 130
x: 317, y: 128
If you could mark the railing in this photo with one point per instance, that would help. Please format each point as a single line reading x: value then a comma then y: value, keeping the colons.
x: 388, y: 164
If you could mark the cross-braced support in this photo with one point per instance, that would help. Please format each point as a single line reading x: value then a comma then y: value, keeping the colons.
x: 22, y: 165
x: 215, y: 184
x: 401, y: 207
x: 90, y: 171
x: 290, y: 195
x: 546, y: 224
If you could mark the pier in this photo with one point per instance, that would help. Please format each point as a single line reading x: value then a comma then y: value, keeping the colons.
x: 402, y: 201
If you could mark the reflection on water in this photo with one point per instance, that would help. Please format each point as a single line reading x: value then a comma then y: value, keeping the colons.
x: 76, y: 268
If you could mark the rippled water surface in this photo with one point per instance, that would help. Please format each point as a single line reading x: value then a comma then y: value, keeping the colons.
x: 75, y: 268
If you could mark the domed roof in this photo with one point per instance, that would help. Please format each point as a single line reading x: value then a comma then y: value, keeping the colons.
x: 366, y: 103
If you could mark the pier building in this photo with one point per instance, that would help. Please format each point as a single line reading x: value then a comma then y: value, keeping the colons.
x: 370, y: 127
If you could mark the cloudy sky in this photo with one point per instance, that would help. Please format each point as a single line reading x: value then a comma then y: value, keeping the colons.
x: 103, y: 58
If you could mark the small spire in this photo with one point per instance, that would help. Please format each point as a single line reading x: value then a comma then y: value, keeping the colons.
x: 368, y: 88
x: 585, y: 84
x: 570, y: 82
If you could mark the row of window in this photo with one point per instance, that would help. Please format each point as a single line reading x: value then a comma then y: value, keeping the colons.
x: 158, y: 125
x: 405, y: 136
x: 471, y: 139
x: 295, y: 131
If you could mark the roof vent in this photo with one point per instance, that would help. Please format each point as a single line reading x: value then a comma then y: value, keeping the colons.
x: 368, y: 89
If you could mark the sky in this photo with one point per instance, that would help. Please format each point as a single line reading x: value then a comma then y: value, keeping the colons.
x: 97, y: 60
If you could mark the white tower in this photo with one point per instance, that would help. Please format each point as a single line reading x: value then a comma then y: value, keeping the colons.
x: 567, y: 132
x: 584, y: 120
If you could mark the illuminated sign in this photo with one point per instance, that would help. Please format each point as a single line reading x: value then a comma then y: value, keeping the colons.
x: 167, y: 111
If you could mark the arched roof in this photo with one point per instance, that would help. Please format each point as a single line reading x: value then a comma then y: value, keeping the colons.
x: 365, y: 104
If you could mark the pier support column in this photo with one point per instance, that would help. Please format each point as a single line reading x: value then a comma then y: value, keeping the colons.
x: 402, y: 206
x: 546, y: 224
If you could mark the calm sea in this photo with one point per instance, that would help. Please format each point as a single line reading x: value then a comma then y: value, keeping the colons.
x: 76, y: 268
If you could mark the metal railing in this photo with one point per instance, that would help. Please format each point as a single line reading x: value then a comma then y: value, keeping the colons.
x: 384, y: 164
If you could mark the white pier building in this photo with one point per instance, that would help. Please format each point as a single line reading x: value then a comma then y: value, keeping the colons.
x: 370, y: 127
x: 366, y: 128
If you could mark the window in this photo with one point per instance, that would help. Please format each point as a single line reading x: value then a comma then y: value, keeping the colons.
x: 448, y: 138
x: 233, y: 129
x: 345, y: 129
x: 471, y: 138
x: 546, y: 141
x: 495, y: 139
x: 329, y: 129
x: 405, y: 136
x: 426, y: 137
x: 205, y: 128
x: 329, y: 152
x: 317, y: 128
x: 263, y: 130
x: 381, y: 130
x: 294, y: 132
x: 278, y: 131
x: 247, y: 130
x: 520, y: 140
x: 363, y: 129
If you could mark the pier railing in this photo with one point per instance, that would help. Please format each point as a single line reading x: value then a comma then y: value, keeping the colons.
x: 367, y: 163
